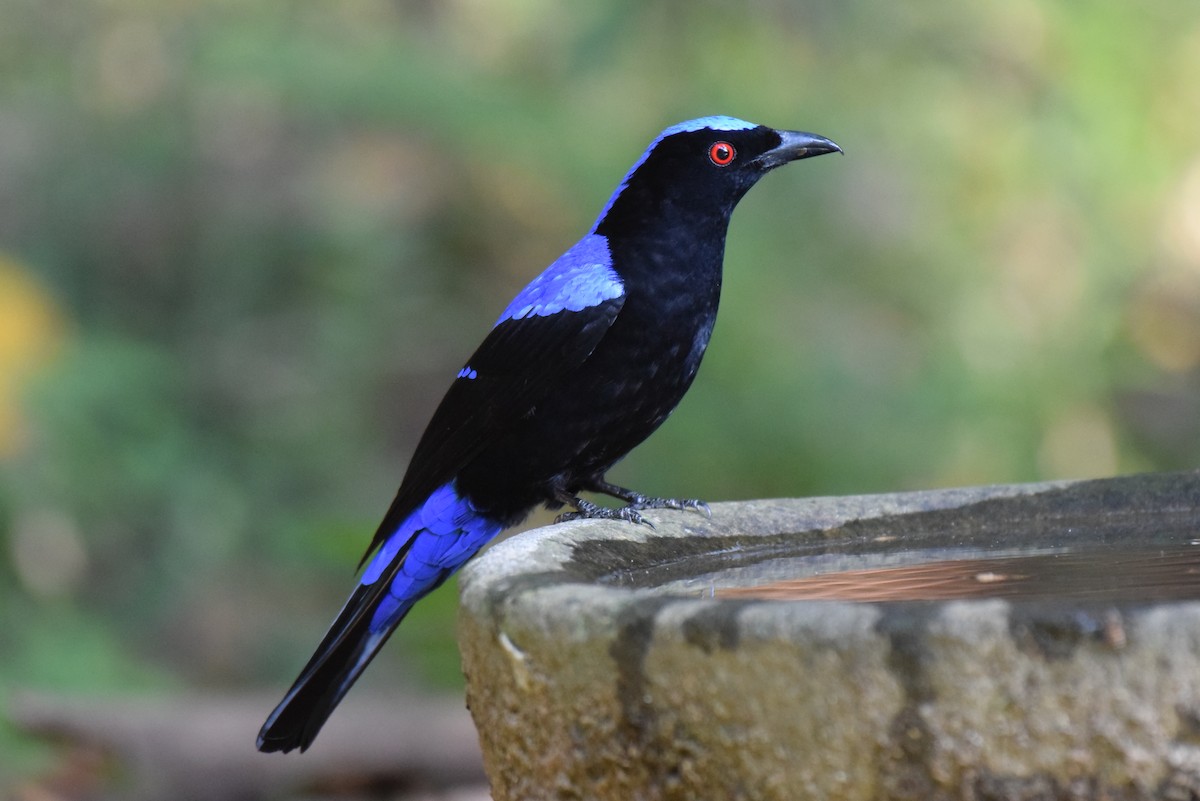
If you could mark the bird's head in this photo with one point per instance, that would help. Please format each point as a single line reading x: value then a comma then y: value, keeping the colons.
x: 701, y: 168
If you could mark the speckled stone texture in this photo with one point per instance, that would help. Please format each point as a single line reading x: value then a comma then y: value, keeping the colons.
x: 597, y: 671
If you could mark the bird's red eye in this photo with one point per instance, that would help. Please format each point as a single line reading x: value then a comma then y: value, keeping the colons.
x: 721, y: 153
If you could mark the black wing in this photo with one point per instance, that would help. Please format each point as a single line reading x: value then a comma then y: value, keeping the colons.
x: 517, y: 365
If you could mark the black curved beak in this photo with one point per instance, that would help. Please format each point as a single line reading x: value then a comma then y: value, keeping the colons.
x: 796, y: 145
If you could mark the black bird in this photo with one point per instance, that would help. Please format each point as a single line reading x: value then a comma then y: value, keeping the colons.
x: 585, y: 363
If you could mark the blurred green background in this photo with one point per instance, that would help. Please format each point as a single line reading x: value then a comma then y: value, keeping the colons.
x: 244, y: 247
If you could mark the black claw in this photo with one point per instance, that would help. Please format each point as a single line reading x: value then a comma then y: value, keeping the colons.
x: 631, y: 515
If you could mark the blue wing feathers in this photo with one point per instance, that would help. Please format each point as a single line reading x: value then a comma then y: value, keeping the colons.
x: 581, y: 277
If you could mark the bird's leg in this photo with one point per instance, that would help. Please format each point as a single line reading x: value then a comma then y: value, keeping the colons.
x: 586, y: 510
x: 638, y: 501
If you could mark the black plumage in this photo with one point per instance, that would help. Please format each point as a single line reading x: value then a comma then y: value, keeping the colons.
x: 583, y: 365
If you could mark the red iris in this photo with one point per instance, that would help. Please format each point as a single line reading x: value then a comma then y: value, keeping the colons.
x: 721, y: 153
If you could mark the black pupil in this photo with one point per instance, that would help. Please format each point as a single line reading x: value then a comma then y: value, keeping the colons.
x: 722, y: 152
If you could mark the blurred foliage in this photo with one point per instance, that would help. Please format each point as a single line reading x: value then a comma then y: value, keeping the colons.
x: 245, y: 246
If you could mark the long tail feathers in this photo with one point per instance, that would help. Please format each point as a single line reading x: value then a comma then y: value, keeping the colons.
x: 429, y: 546
x: 348, y: 647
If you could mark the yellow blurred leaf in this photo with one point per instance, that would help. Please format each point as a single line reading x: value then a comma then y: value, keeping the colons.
x: 32, y: 330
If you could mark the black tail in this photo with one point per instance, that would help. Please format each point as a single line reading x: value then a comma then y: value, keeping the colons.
x: 356, y: 636
x: 348, y: 647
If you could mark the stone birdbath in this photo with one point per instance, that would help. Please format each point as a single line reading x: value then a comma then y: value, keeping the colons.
x: 1020, y: 642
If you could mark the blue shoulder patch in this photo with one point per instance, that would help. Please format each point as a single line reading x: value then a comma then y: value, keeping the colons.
x: 579, y: 278
x: 717, y: 122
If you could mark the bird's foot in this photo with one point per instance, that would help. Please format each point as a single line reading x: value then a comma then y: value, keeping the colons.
x: 683, y: 504
x: 585, y: 510
x: 636, y: 500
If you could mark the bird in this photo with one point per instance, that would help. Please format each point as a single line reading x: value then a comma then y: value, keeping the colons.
x: 582, y: 366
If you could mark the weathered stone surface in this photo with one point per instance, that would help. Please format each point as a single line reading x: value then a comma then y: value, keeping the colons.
x: 604, y: 662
